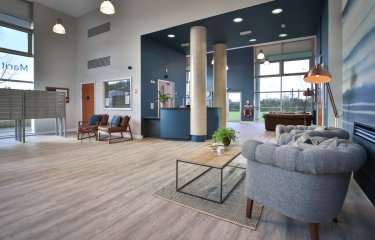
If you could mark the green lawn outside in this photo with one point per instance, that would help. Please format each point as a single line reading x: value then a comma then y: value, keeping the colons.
x: 234, y: 116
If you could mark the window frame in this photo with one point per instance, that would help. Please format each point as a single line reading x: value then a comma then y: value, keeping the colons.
x: 258, y: 78
x: 130, y: 94
x: 29, y: 33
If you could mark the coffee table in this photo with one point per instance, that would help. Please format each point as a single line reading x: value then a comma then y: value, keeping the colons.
x: 207, y: 158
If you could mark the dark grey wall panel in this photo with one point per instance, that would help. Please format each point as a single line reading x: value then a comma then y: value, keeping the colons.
x: 99, y: 62
x: 106, y: 27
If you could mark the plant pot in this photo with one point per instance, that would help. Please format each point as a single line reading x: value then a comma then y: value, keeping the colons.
x: 226, y: 142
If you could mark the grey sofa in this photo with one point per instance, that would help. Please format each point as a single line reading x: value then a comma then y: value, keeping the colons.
x: 331, y: 132
x: 306, y: 185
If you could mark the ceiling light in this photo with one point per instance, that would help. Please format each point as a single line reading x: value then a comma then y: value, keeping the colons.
x: 283, y: 35
x: 171, y: 36
x: 277, y: 11
x: 260, y: 55
x: 58, y: 28
x: 245, y: 32
x: 237, y: 20
x: 107, y: 7
x: 317, y: 75
x: 227, y: 68
x: 185, y: 44
x: 253, y: 40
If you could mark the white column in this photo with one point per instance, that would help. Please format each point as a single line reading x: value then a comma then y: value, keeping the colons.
x: 220, y: 80
x: 198, y: 72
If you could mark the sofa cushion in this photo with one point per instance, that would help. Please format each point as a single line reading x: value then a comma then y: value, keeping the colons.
x: 94, y: 119
x: 115, y: 120
x: 329, y: 143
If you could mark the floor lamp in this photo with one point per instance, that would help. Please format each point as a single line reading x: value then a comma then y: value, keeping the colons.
x: 307, y: 93
x: 318, y: 75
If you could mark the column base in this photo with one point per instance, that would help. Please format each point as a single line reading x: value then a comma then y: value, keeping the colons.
x: 198, y: 138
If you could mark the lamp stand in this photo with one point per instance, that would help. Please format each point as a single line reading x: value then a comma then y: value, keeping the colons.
x: 337, y: 116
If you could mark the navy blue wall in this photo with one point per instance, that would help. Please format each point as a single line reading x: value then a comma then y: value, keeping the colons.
x: 240, y: 76
x: 155, y: 58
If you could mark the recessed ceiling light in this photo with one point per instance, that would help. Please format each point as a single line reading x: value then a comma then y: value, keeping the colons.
x: 253, y: 40
x: 247, y: 32
x: 277, y: 11
x: 283, y: 35
x: 237, y: 20
x: 171, y: 35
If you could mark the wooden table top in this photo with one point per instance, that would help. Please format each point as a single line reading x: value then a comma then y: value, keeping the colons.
x: 206, y: 157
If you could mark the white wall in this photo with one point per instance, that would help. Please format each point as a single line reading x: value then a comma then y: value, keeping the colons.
x: 134, y: 18
x: 54, y: 61
x: 335, y: 57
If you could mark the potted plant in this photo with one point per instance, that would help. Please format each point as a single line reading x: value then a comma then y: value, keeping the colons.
x: 163, y: 98
x: 224, y: 136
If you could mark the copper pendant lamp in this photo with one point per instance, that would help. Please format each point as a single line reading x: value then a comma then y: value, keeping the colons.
x: 317, y: 75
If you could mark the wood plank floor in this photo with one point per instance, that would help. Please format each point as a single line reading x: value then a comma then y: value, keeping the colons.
x: 56, y: 188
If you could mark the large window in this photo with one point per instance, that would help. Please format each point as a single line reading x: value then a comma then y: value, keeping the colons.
x: 280, y: 86
x: 117, y: 94
x: 16, y: 61
x: 16, y: 57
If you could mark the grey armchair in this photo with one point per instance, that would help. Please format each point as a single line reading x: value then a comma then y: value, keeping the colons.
x: 291, y: 130
x: 306, y: 185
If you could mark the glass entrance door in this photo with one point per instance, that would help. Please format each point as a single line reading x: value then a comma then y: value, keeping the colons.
x: 234, y: 106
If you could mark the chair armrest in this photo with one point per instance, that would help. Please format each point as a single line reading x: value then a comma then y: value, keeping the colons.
x: 81, y: 123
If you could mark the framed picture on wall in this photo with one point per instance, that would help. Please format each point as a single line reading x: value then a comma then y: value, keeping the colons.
x: 58, y: 89
x: 117, y: 94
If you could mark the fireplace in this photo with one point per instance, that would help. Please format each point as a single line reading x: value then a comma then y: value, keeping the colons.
x: 365, y: 177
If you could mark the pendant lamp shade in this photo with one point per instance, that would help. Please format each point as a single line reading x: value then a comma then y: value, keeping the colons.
x: 266, y: 62
x: 317, y: 75
x: 107, y: 7
x: 58, y: 28
x: 260, y: 55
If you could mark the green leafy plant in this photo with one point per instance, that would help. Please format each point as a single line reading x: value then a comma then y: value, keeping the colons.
x: 224, y: 136
x: 163, y: 98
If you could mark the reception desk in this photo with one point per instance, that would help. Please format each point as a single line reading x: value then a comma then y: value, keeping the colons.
x: 174, y: 123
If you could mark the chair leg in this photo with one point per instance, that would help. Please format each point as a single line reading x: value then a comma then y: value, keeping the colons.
x: 109, y: 138
x: 130, y: 131
x: 249, y: 207
x: 314, y: 231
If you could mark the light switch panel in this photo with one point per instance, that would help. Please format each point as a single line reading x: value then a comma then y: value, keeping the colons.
x: 152, y: 105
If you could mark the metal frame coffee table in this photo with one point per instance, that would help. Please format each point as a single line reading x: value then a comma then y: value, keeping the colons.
x: 205, y: 157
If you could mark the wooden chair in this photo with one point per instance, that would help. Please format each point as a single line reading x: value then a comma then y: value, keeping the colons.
x: 122, y: 127
x: 91, y: 126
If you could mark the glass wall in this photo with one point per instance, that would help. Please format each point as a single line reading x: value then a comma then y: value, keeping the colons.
x: 279, y: 87
x: 16, y: 61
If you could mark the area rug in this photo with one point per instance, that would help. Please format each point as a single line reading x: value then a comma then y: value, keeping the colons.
x: 232, y: 210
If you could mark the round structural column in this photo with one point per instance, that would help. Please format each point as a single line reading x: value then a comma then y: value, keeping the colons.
x: 198, y: 73
x: 220, y: 81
